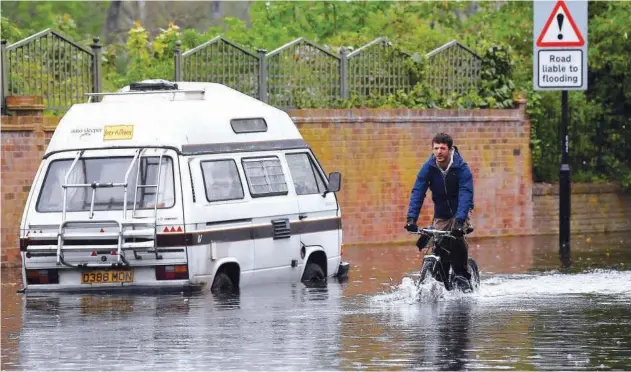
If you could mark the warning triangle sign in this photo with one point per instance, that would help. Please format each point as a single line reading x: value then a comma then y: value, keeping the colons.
x: 560, y: 29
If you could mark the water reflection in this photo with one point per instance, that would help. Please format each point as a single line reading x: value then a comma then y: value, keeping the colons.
x: 453, y: 336
x: 12, y: 314
x: 446, y: 334
x: 529, y: 314
x: 176, y: 332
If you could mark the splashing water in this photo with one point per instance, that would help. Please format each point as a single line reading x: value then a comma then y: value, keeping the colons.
x: 604, y: 282
x: 409, y: 292
x: 499, y: 288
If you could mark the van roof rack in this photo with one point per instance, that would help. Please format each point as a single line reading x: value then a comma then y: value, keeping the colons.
x: 143, y: 92
x: 152, y: 85
x: 92, y: 94
x: 147, y: 87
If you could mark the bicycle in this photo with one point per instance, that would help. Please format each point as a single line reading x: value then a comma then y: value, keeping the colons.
x: 432, y: 264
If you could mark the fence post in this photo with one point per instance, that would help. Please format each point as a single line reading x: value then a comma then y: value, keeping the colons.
x: 96, y: 66
x: 344, y: 73
x: 262, y: 75
x: 177, y: 61
x: 5, y: 77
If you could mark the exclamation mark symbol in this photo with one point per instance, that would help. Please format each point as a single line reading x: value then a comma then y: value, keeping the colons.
x: 560, y: 18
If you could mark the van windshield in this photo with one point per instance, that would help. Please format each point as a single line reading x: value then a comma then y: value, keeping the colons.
x: 106, y: 170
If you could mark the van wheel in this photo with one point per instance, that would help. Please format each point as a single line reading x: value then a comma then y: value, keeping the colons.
x: 222, y: 284
x: 313, y: 274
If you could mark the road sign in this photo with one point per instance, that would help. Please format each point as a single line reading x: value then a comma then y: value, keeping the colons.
x: 560, y: 63
x: 560, y: 45
x: 560, y: 69
x: 560, y: 29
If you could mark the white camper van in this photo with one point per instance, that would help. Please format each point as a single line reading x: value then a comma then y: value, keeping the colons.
x: 179, y: 186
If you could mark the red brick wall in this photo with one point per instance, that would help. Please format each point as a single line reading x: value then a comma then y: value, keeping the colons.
x: 24, y: 140
x: 594, y: 208
x: 379, y: 153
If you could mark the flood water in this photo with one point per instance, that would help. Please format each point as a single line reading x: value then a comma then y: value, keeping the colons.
x: 529, y: 314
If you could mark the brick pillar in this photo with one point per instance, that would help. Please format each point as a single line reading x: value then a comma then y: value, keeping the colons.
x: 23, y: 142
x: 521, y: 101
x: 25, y: 105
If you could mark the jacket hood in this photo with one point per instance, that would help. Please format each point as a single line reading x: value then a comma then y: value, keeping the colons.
x: 457, y: 159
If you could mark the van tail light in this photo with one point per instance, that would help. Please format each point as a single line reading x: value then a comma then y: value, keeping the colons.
x: 342, y: 250
x: 171, y: 272
x: 48, y: 276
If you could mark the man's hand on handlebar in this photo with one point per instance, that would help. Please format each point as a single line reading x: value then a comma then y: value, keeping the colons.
x: 411, y: 225
x: 458, y: 229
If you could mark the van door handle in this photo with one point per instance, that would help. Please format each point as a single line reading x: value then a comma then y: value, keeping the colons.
x: 302, y: 216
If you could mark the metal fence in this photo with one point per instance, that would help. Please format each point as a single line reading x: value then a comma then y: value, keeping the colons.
x: 302, y: 72
x: 599, y: 145
x: 378, y: 68
x: 299, y: 73
x: 49, y: 65
x: 454, y: 68
x: 220, y: 61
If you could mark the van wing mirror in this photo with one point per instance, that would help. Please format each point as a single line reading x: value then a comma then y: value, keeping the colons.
x: 335, y: 182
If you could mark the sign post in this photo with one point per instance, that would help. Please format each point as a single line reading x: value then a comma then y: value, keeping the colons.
x: 560, y: 63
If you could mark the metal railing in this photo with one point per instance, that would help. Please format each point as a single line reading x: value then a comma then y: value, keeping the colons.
x: 299, y: 73
x: 376, y: 67
x: 49, y: 65
x: 453, y: 68
x: 220, y: 61
x: 303, y: 72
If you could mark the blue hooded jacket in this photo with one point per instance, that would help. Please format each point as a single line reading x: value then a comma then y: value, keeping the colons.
x: 452, y: 194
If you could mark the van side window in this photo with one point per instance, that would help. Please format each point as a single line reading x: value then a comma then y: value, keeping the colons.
x: 248, y: 125
x: 306, y: 178
x: 265, y: 176
x: 221, y: 180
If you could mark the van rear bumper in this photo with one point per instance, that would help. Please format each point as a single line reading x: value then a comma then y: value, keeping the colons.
x: 167, y: 286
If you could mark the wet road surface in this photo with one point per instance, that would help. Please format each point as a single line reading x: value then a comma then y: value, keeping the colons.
x: 528, y: 315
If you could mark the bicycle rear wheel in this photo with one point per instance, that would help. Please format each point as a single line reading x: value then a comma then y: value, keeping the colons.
x: 475, y: 273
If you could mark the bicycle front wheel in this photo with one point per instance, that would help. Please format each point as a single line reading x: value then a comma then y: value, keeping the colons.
x: 426, y: 269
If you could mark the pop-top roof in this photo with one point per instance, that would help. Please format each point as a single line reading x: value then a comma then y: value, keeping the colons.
x: 195, y: 116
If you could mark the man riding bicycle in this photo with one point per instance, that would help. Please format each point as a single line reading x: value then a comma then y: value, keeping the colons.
x: 448, y: 176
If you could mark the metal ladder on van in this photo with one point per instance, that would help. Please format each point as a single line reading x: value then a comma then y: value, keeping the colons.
x: 127, y: 228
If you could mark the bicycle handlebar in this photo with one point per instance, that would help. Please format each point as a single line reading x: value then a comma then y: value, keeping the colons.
x: 428, y: 231
x: 433, y: 231
x: 445, y: 233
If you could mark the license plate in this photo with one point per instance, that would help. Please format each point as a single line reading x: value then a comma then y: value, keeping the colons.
x: 100, y: 277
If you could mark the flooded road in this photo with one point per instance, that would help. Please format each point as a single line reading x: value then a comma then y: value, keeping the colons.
x: 528, y: 315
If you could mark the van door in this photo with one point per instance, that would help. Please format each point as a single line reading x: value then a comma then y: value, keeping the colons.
x: 273, y: 209
x: 221, y: 213
x: 319, y: 214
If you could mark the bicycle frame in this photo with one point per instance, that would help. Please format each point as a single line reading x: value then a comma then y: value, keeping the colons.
x: 433, y: 244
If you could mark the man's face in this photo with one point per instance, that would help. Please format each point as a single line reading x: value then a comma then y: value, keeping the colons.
x: 441, y: 152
